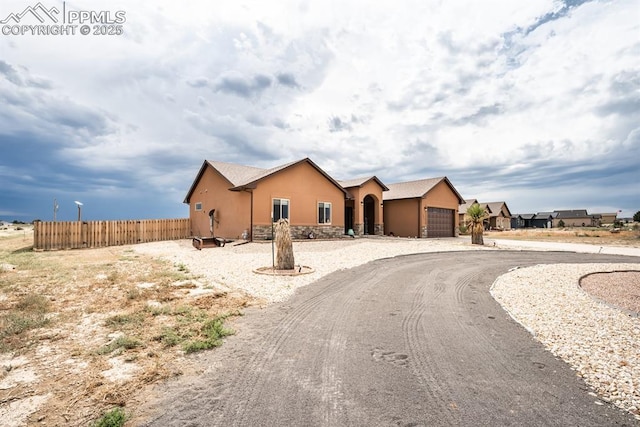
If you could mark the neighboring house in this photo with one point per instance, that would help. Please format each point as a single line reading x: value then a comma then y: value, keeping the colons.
x: 363, y: 212
x: 576, y: 218
x: 608, y: 218
x: 522, y: 220
x: 499, y: 216
x: 544, y: 219
x: 423, y: 208
x: 462, y: 212
x: 229, y: 201
x: 517, y: 221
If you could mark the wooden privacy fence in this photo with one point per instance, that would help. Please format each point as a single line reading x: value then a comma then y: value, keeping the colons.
x: 95, y: 234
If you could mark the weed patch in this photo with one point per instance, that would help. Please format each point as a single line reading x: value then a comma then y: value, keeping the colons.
x: 212, y: 333
x: 29, y: 313
x: 125, y: 342
x: 114, y: 418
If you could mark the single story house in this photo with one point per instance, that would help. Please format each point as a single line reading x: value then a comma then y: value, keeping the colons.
x: 499, y: 216
x: 234, y: 201
x: 422, y: 208
x: 522, y: 220
x: 462, y: 212
x: 608, y: 218
x: 544, y: 219
x: 576, y: 218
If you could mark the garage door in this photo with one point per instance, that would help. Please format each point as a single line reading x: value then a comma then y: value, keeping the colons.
x: 440, y: 222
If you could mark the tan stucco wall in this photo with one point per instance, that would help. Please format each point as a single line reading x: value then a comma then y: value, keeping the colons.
x: 304, y: 186
x: 232, y: 207
x: 359, y: 193
x: 401, y: 217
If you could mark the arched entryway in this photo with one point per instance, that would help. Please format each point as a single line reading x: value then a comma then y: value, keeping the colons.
x: 369, y: 211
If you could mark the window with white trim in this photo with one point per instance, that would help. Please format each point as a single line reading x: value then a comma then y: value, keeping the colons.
x: 280, y: 209
x: 324, y: 213
x: 198, y: 206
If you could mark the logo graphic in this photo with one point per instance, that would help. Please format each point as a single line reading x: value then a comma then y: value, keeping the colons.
x: 38, y: 11
x: 39, y: 21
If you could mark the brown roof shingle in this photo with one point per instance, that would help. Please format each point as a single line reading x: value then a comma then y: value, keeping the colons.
x: 415, y: 189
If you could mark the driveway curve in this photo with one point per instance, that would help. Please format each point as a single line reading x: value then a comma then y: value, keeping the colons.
x: 409, y: 341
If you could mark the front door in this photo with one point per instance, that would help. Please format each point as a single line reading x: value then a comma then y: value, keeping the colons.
x: 369, y: 215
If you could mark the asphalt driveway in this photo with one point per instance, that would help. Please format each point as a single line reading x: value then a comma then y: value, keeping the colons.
x: 409, y: 341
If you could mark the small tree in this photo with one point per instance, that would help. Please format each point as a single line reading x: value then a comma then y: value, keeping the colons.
x: 636, y: 216
x: 477, y: 214
x: 284, y: 258
x: 561, y: 224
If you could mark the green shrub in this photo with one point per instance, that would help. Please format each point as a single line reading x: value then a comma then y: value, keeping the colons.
x: 114, y: 418
x: 213, y: 331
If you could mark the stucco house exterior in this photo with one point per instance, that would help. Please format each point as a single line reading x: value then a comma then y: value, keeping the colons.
x: 422, y: 208
x: 499, y: 216
x: 576, y: 218
x: 363, y: 211
x: 608, y: 217
x: 231, y: 201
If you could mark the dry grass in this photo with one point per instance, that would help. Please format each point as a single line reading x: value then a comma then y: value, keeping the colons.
x: 89, y: 329
x: 594, y: 236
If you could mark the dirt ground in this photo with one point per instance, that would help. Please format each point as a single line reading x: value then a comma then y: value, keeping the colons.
x: 84, y: 331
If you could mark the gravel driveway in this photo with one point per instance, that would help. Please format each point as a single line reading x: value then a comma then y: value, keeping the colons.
x: 332, y: 352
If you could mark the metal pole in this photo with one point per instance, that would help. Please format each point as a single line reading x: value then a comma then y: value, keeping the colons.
x: 273, y: 257
x: 79, y: 215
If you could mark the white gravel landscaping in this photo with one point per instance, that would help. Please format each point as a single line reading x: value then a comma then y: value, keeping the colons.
x: 231, y: 267
x: 600, y: 342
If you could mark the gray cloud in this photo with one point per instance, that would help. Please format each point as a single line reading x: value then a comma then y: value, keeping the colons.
x: 336, y: 124
x: 198, y: 82
x: 287, y: 79
x: 244, y: 88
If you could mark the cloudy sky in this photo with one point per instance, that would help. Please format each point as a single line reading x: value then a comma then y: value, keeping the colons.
x: 534, y: 102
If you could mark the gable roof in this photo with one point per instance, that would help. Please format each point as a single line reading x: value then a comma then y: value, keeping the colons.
x: 496, y: 208
x: 547, y: 215
x: 417, y: 189
x: 467, y: 204
x: 462, y: 209
x: 527, y: 216
x: 359, y: 182
x: 577, y: 213
x: 247, y: 177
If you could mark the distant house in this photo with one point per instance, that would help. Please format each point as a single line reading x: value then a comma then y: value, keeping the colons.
x: 422, y: 208
x: 462, y: 212
x: 522, y: 220
x: 499, y: 216
x: 608, y: 218
x: 544, y: 219
x: 576, y: 218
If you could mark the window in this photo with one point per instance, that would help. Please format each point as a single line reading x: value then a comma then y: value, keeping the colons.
x: 324, y: 213
x: 280, y: 209
x: 199, y: 206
